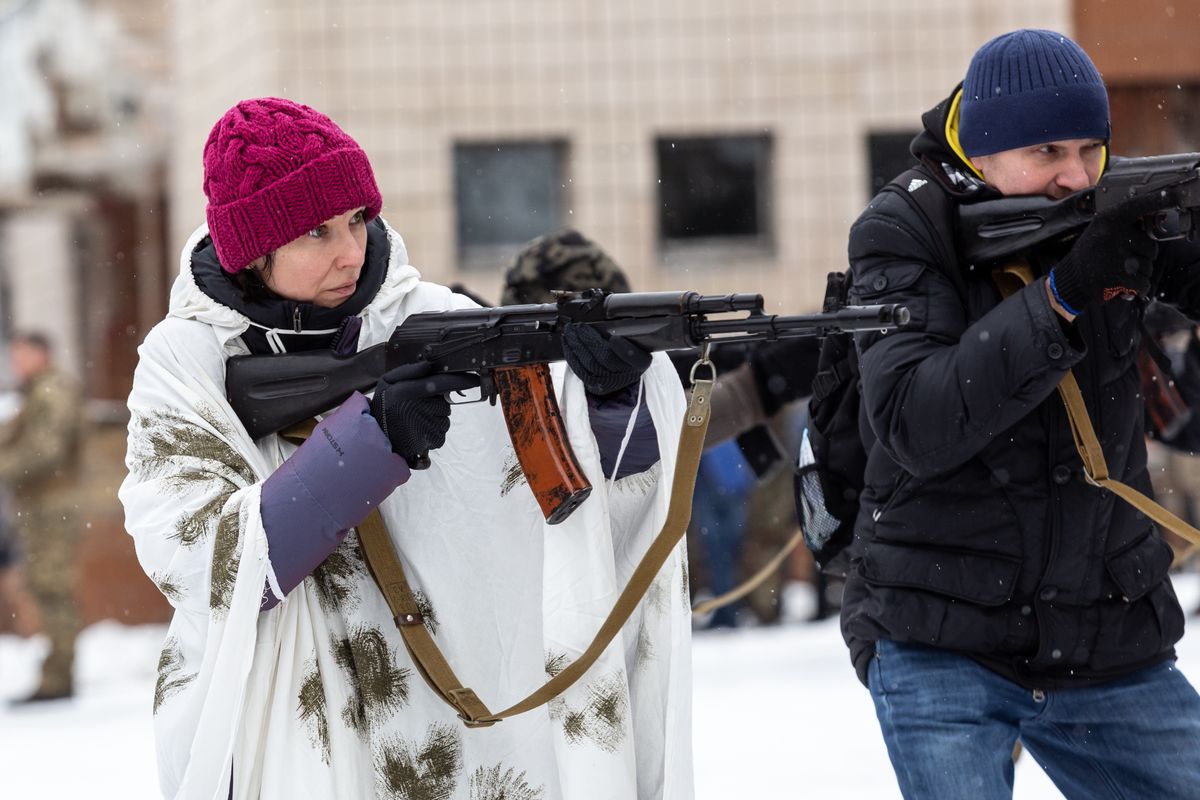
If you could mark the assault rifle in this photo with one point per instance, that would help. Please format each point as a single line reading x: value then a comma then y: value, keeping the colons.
x: 504, y: 351
x: 1009, y: 226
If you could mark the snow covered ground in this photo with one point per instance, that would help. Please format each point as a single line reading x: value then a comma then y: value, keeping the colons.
x: 778, y: 713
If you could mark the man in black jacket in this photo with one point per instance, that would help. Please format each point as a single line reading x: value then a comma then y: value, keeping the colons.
x: 995, y: 594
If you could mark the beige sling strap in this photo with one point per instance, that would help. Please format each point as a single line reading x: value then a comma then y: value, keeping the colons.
x: 753, y: 582
x: 385, y: 567
x: 1095, y: 467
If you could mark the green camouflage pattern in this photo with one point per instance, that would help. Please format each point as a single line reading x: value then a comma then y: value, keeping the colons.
x: 40, y: 455
x: 40, y: 447
x: 565, y: 260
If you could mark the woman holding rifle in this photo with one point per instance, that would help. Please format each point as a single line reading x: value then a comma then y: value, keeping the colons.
x: 283, y: 674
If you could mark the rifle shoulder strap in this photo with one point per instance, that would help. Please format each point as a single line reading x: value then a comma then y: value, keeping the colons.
x: 1095, y: 468
x: 385, y: 567
x: 754, y: 581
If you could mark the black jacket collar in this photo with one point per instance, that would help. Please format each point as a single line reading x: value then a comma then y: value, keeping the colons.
x: 934, y: 148
x: 278, y: 313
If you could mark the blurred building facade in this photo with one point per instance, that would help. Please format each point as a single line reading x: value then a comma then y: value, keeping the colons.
x: 715, y: 145
x: 83, y: 230
x: 1147, y: 55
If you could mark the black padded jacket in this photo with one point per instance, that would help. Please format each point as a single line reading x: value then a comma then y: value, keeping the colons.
x: 977, y: 531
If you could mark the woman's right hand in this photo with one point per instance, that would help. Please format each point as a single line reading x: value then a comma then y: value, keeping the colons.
x: 412, y: 412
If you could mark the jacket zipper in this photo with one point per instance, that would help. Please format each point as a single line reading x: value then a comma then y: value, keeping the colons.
x: 296, y: 320
x: 898, y: 485
x: 1051, y: 547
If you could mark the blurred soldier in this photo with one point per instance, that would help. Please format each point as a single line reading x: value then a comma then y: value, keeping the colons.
x: 560, y: 261
x: 1173, y: 421
x: 14, y: 595
x: 746, y: 396
x: 9, y: 578
x: 39, y: 461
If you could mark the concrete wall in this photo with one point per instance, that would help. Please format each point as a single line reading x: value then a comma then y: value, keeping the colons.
x: 41, y: 274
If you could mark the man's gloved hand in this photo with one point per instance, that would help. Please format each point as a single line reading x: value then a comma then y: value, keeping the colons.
x: 1113, y: 256
x: 604, y: 364
x: 784, y: 371
x: 411, y: 411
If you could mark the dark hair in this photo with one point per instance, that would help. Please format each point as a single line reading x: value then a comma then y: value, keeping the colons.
x: 251, y: 282
x: 34, y: 339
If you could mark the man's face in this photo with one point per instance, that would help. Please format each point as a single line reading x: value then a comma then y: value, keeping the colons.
x: 1054, y: 169
x: 26, y: 360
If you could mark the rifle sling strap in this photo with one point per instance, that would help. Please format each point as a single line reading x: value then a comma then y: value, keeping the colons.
x: 753, y: 582
x: 1095, y: 468
x: 385, y: 567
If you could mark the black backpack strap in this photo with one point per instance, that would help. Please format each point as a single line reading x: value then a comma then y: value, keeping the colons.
x: 929, y: 198
x: 827, y: 380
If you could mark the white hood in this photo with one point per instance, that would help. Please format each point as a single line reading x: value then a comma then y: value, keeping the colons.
x: 189, y: 302
x: 317, y: 697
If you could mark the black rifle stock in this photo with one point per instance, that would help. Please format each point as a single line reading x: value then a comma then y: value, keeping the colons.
x: 991, y: 230
x: 505, y: 351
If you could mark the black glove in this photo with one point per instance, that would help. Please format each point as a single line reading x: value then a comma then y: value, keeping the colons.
x: 1113, y: 256
x: 412, y: 411
x: 784, y: 370
x: 604, y: 364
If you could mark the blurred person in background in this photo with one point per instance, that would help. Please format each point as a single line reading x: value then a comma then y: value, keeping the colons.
x: 747, y: 395
x: 1173, y: 422
x: 40, y: 452
x: 720, y: 512
x: 753, y: 386
x: 996, y: 595
x: 14, y: 596
x: 15, y: 599
x: 283, y: 673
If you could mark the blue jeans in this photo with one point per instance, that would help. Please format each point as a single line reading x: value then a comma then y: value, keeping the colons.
x: 719, y: 511
x: 950, y: 726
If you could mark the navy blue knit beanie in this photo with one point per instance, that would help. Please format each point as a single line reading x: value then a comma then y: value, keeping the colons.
x: 1030, y: 87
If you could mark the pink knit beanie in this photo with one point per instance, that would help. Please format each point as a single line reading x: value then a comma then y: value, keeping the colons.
x: 274, y: 169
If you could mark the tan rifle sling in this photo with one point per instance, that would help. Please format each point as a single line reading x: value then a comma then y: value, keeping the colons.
x: 754, y: 581
x: 1095, y: 468
x: 384, y: 564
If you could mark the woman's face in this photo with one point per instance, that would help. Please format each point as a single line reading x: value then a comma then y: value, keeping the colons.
x: 322, y: 266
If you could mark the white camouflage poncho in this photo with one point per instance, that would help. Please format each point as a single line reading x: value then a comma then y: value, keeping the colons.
x: 318, y: 697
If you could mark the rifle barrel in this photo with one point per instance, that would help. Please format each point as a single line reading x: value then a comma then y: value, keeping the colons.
x: 762, y: 326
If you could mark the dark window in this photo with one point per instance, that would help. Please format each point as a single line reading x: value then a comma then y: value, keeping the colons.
x: 714, y: 188
x: 506, y: 193
x: 888, y: 156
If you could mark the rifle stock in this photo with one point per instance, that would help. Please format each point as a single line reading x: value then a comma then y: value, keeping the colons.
x: 1006, y: 227
x: 270, y: 393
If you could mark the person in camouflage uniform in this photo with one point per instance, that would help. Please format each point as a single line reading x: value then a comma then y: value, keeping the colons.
x: 774, y: 375
x: 562, y: 261
x: 39, y: 461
